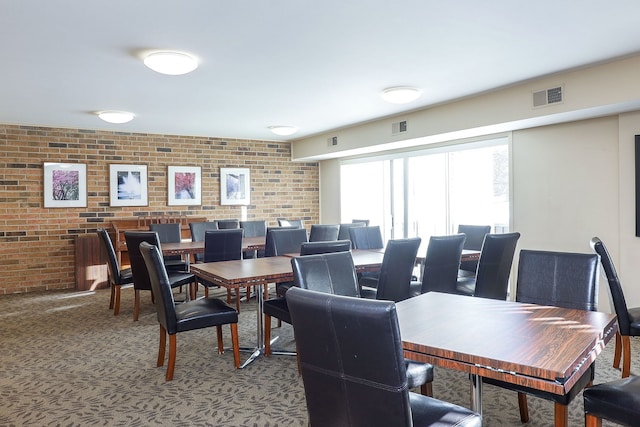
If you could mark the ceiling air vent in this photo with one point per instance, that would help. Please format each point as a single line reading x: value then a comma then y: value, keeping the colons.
x: 547, y: 97
x: 398, y: 127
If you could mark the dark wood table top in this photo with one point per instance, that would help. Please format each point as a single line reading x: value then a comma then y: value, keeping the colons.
x: 189, y: 247
x: 547, y: 348
x: 240, y: 273
x: 467, y: 254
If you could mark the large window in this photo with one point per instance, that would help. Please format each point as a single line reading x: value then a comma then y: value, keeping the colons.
x: 430, y: 192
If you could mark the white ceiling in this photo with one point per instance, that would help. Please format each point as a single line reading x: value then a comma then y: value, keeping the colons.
x: 314, y: 64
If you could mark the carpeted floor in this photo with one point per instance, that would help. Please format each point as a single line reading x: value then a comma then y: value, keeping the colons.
x: 66, y: 360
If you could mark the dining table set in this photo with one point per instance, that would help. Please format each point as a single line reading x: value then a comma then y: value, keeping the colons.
x: 485, y: 338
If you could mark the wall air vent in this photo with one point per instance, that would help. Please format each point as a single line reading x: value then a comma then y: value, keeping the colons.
x: 332, y: 141
x: 398, y: 127
x: 546, y: 97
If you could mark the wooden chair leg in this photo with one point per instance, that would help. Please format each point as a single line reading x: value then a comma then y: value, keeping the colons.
x: 113, y: 294
x: 267, y: 335
x: 617, y: 352
x: 235, y: 343
x: 524, y: 407
x: 172, y: 357
x: 220, y: 342
x: 116, y: 305
x: 426, y: 389
x: 136, y: 305
x: 592, y: 421
x: 626, y: 356
x: 162, y: 346
x: 561, y: 415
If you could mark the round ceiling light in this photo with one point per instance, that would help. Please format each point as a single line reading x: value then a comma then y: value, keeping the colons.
x: 115, y: 116
x: 283, y: 130
x: 401, y: 95
x: 171, y: 63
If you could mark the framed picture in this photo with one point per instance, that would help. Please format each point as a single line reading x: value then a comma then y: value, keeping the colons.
x: 128, y: 185
x: 184, y: 185
x: 235, y: 186
x: 65, y: 185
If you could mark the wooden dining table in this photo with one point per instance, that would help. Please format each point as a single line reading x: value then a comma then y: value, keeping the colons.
x: 541, y: 347
x: 260, y: 272
x: 187, y: 248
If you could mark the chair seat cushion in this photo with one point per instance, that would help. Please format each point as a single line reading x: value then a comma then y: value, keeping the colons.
x: 418, y: 373
x: 278, y: 308
x: 367, y: 292
x: 634, y: 318
x: 283, y: 287
x: 126, y: 277
x: 180, y: 278
x: 426, y: 411
x: 202, y: 313
x: 466, y: 285
x: 617, y: 401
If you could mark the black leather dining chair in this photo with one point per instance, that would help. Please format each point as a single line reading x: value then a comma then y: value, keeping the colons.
x: 475, y: 238
x: 195, y: 314
x: 396, y: 271
x: 313, y: 248
x: 283, y: 241
x: 366, y: 237
x: 141, y: 280
x: 560, y: 279
x: 197, y: 234
x: 628, y: 318
x: 343, y: 230
x: 255, y: 228
x: 494, y: 267
x: 324, y: 232
x: 617, y: 401
x: 117, y: 277
x: 440, y: 266
x: 170, y: 233
x: 297, y: 223
x: 352, y: 365
x: 227, y: 224
x: 222, y: 245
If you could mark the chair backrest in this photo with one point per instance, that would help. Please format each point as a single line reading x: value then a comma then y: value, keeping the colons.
x: 324, y: 232
x: 226, y: 224
x: 254, y: 228
x: 163, y: 297
x: 223, y: 245
x: 343, y: 231
x: 312, y: 248
x: 332, y: 273
x: 298, y: 223
x: 364, y: 221
x: 168, y: 233
x: 494, y: 266
x: 366, y: 237
x: 398, y: 262
x: 112, y: 259
x: 197, y: 233
x: 283, y: 241
x: 441, y: 263
x: 138, y: 266
x: 560, y: 279
x: 475, y: 235
x: 351, y: 359
x: 615, y: 288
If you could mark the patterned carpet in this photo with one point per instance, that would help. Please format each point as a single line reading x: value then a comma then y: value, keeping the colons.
x: 66, y: 360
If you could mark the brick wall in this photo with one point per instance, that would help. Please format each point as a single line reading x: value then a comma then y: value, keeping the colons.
x: 37, y: 244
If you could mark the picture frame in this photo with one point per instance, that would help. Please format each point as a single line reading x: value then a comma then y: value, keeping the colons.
x: 128, y: 185
x: 235, y: 186
x: 65, y: 185
x: 184, y: 185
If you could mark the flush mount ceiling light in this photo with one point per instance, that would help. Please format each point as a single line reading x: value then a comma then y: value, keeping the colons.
x: 400, y: 95
x: 283, y: 130
x: 171, y: 63
x: 115, y: 116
